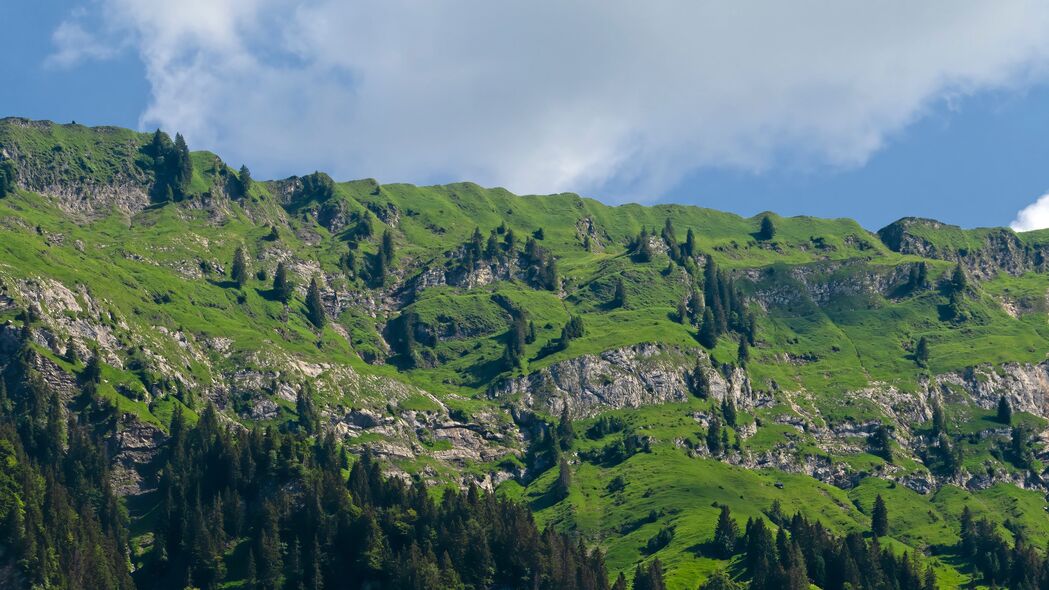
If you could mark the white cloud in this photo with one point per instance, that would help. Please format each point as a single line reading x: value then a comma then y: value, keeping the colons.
x: 607, y: 96
x: 74, y: 44
x: 1033, y: 216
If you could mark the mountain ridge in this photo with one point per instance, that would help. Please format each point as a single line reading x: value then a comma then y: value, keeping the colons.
x: 424, y: 332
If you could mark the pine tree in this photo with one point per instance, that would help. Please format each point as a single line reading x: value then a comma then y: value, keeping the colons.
x: 1019, y: 447
x: 728, y: 410
x: 8, y: 178
x: 1005, y: 410
x: 244, y: 181
x: 282, y: 287
x: 881, y: 442
x: 564, y: 480
x: 690, y: 244
x: 183, y: 169
x: 939, y: 419
x: 714, y: 436
x: 642, y: 247
x: 491, y: 247
x: 921, y: 352
x: 565, y: 431
x: 309, y: 417
x: 239, y: 272
x: 619, y: 298
x: 71, y: 354
x: 743, y: 352
x: 314, y: 305
x: 93, y: 370
x: 708, y: 331
x: 348, y: 264
x: 959, y: 280
x: 726, y: 534
x: 366, y: 227
x: 919, y: 277
x: 696, y: 306
x: 387, y: 247
x: 516, y: 338
x: 251, y: 577
x: 879, y: 518
x: 768, y: 229
x: 682, y: 313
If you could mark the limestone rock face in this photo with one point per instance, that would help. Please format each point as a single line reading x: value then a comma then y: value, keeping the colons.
x: 133, y: 447
x: 1000, y: 251
x: 631, y: 377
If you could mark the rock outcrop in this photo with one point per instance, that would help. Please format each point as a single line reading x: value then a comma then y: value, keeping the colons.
x: 984, y: 252
x: 640, y: 375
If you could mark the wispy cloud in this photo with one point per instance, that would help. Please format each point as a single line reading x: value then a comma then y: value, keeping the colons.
x: 608, y: 96
x: 74, y: 44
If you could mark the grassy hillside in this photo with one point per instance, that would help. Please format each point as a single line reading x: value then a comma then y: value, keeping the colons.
x: 105, y: 263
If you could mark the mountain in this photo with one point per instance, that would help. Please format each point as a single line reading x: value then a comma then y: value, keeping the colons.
x: 624, y: 372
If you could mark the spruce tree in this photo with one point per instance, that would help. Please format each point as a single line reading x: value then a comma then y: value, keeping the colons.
x: 708, y: 331
x: 565, y: 430
x: 564, y: 480
x: 690, y: 244
x: 71, y: 354
x: 93, y: 370
x: 881, y: 442
x: 726, y: 534
x: 728, y: 410
x: 619, y: 298
x: 516, y: 338
x: 743, y: 352
x: 1019, y: 447
x: 696, y: 306
x: 768, y: 229
x: 244, y: 181
x: 879, y: 518
x: 491, y: 247
x: 939, y: 419
x: 387, y: 251
x: 239, y: 272
x: 309, y: 417
x: 282, y: 287
x: 921, y: 352
x: 642, y: 247
x: 314, y: 305
x: 959, y: 280
x: 1005, y: 410
x: 183, y: 166
x: 8, y: 177
x: 714, y: 436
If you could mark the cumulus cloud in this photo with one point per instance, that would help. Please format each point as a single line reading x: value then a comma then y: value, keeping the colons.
x: 613, y: 97
x: 1033, y: 216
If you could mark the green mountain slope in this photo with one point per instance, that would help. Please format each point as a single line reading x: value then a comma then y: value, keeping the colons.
x: 108, y: 250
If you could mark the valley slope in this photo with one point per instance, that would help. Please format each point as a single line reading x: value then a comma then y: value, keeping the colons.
x: 456, y: 331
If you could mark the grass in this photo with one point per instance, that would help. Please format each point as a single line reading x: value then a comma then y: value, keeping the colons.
x: 152, y: 287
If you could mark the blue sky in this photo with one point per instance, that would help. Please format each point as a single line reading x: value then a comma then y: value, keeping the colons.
x: 872, y: 116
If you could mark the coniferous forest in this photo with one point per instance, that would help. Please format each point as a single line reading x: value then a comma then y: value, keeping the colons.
x: 286, y: 508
